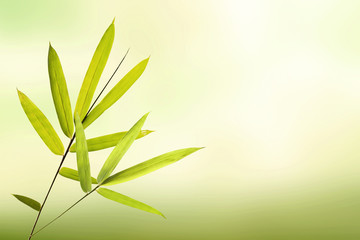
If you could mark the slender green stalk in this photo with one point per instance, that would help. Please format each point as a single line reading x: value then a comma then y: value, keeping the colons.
x: 68, y: 148
x: 66, y: 210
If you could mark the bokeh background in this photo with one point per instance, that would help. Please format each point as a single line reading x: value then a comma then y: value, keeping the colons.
x: 271, y: 88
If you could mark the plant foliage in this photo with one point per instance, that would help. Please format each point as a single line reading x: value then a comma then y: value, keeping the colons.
x: 83, y: 116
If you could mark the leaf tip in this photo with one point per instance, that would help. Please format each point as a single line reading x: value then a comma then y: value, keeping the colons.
x: 195, y: 149
x: 20, y: 93
x: 146, y: 60
x: 51, y: 49
x: 145, y: 116
x: 198, y: 148
x: 15, y: 195
x: 113, y: 21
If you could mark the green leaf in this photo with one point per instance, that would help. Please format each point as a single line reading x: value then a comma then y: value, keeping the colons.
x: 115, y: 94
x: 94, y: 72
x: 73, y: 174
x: 60, y: 93
x: 120, y: 198
x: 41, y: 125
x: 107, y: 141
x: 28, y: 201
x: 148, y: 166
x: 120, y: 149
x: 82, y: 156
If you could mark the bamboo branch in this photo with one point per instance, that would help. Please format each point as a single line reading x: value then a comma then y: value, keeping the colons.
x: 68, y: 148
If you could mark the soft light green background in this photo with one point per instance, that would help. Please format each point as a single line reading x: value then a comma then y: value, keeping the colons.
x: 271, y: 88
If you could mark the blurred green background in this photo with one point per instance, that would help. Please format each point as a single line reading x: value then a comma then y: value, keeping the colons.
x: 271, y: 88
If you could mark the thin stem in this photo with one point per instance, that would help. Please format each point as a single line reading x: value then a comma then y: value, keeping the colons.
x: 52, y: 184
x: 108, y: 81
x: 67, y: 210
x: 68, y: 148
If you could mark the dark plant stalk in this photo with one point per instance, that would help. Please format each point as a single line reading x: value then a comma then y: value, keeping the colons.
x: 67, y: 210
x: 68, y: 148
x: 107, y: 83
x: 52, y: 184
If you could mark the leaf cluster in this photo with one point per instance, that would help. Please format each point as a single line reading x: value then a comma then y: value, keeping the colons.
x: 73, y: 125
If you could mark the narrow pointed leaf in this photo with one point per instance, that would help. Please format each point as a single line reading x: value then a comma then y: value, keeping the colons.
x: 28, y: 201
x: 73, y: 174
x: 120, y: 150
x: 41, y: 125
x: 148, y: 166
x: 116, y: 93
x: 82, y: 156
x: 107, y: 141
x: 94, y: 71
x: 120, y: 198
x: 60, y: 93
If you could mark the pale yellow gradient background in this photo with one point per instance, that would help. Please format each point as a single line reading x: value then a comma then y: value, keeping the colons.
x: 270, y: 88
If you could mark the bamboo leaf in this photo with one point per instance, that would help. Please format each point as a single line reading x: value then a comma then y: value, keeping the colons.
x: 94, y: 71
x: 107, y: 141
x: 120, y: 150
x: 149, y: 166
x: 60, y: 93
x: 28, y: 201
x: 41, y: 125
x: 116, y: 93
x: 73, y: 174
x: 120, y: 198
x: 82, y: 156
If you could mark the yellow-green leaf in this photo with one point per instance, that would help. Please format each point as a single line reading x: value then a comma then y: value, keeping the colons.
x: 107, y: 141
x: 149, y: 166
x: 41, y: 125
x: 120, y: 198
x: 82, y: 156
x: 120, y: 150
x: 73, y: 174
x: 60, y: 93
x: 115, y: 94
x: 94, y: 72
x: 28, y: 201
